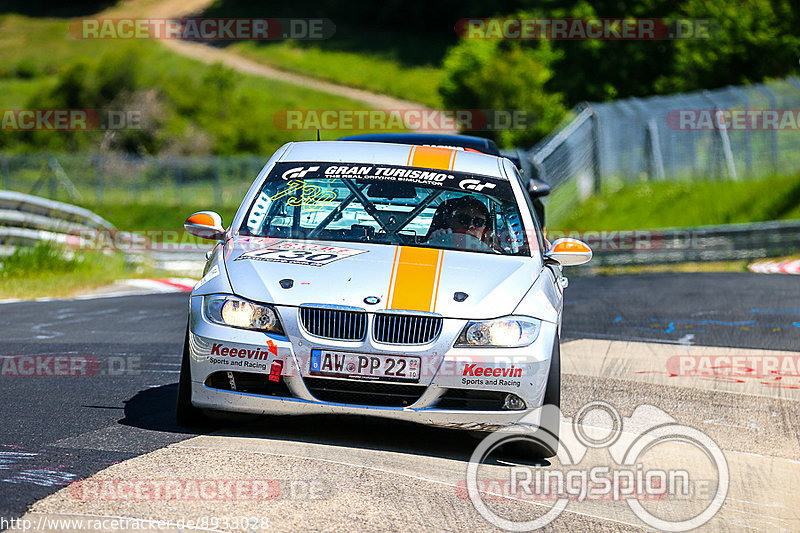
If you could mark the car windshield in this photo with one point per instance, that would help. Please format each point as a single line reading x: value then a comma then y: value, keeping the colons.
x: 386, y: 204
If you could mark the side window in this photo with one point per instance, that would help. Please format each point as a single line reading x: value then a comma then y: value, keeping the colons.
x: 508, y: 232
x: 254, y: 223
x: 532, y: 211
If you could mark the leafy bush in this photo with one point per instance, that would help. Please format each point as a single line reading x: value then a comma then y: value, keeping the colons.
x: 751, y: 40
x: 498, y: 75
x: 179, y: 113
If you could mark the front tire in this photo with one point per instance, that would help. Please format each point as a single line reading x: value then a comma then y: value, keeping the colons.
x: 187, y: 414
x: 543, y: 443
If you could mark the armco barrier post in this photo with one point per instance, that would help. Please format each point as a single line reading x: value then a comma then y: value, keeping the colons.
x: 724, y: 140
x: 773, y: 104
x: 748, y: 148
x: 97, y: 162
x: 596, y: 169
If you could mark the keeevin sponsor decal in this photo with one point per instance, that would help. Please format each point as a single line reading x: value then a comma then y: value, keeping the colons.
x: 475, y: 374
x: 250, y: 357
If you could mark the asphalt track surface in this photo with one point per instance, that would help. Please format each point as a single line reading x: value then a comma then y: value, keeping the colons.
x: 56, y: 430
x: 743, y: 310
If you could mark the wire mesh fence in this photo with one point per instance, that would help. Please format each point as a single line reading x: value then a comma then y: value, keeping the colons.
x: 731, y: 133
x: 106, y: 179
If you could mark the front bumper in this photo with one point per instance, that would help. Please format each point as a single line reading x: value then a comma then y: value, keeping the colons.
x: 445, y: 371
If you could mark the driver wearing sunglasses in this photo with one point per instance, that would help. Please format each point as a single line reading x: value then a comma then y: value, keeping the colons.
x: 464, y: 215
x: 469, y: 220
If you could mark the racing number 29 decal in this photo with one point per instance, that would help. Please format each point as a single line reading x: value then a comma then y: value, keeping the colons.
x: 300, y: 254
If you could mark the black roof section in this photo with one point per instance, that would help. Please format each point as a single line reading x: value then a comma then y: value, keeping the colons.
x: 486, y: 146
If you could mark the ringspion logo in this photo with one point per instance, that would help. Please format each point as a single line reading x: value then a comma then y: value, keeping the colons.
x: 670, y: 476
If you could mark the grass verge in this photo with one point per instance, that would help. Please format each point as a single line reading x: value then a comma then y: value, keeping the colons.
x: 168, y: 217
x: 370, y: 72
x: 678, y: 204
x: 49, y: 270
x: 613, y: 270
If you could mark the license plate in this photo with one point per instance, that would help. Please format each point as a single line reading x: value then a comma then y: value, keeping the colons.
x: 360, y: 366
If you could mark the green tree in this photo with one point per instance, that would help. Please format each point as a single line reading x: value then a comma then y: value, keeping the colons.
x: 750, y: 40
x: 601, y: 70
x: 503, y: 75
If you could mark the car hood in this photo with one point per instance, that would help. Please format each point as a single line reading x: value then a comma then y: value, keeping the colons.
x: 398, y: 277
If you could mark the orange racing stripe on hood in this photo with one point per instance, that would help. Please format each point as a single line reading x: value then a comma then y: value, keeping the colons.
x: 415, y: 279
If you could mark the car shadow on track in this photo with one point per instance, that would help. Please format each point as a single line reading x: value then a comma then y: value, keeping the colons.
x: 153, y: 409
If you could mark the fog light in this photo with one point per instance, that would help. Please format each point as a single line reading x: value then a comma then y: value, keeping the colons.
x: 513, y: 402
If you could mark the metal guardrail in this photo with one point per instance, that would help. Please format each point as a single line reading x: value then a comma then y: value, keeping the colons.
x: 60, y: 211
x: 702, y: 243
x: 115, y: 178
x: 27, y: 219
x: 188, y: 259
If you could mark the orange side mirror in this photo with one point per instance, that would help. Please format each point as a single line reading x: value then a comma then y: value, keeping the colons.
x: 569, y: 252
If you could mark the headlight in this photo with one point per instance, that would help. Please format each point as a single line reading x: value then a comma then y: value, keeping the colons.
x: 232, y: 311
x: 508, y: 332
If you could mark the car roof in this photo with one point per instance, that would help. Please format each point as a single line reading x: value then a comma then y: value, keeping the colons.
x: 487, y: 146
x: 441, y: 158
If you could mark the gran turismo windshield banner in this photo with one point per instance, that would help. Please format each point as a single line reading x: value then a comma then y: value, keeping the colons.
x: 362, y: 172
